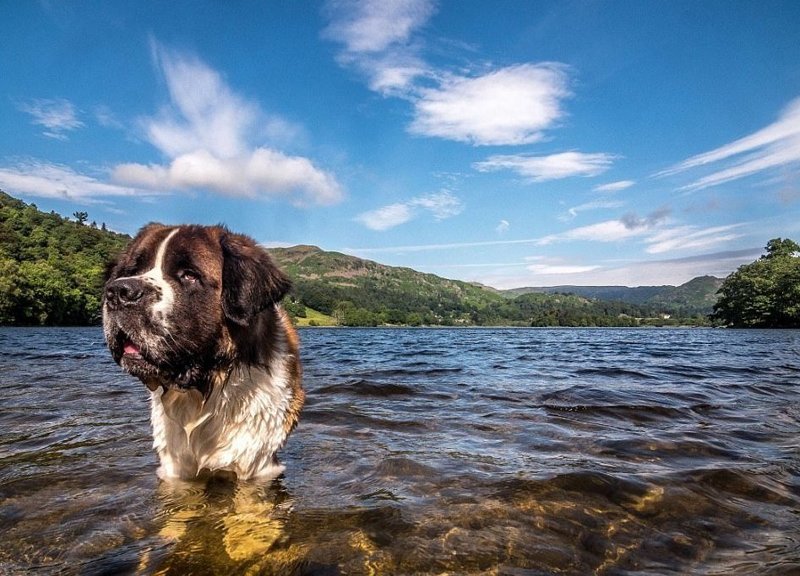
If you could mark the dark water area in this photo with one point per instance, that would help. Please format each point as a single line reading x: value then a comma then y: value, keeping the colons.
x: 485, y: 451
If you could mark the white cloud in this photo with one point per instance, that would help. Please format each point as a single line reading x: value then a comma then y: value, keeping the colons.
x: 552, y: 269
x: 57, y: 116
x: 47, y: 180
x: 377, y: 40
x: 440, y: 205
x: 504, y: 106
x: 206, y: 132
x: 372, y: 26
x: 106, y: 118
x: 509, y: 106
x: 386, y: 217
x: 590, y: 206
x: 261, y: 172
x: 628, y: 226
x: 614, y: 186
x: 655, y: 231
x: 503, y: 227
x: 553, y: 167
x: 690, y: 238
x: 608, y: 231
x: 204, y: 113
x: 635, y: 273
x: 775, y: 146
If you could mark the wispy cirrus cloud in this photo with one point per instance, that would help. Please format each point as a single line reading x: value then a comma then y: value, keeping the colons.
x: 373, y: 26
x: 440, y: 205
x: 48, y: 180
x: 377, y: 40
x: 691, y: 238
x: 589, y: 207
x: 57, y: 116
x: 672, y: 271
x: 630, y: 225
x: 655, y: 230
x: 774, y: 146
x: 612, y: 187
x: 552, y: 167
x: 207, y: 130
x: 560, y: 269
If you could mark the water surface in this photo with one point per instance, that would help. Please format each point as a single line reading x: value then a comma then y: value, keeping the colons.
x: 484, y: 451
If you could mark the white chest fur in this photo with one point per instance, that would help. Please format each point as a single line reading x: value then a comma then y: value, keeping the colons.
x: 239, y: 428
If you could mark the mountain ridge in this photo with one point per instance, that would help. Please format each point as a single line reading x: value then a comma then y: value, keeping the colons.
x: 342, y: 285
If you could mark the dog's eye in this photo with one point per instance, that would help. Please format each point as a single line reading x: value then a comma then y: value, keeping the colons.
x: 188, y: 276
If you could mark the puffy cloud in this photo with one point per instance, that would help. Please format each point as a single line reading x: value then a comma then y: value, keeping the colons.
x: 553, y: 167
x: 509, y: 106
x: 206, y: 133
x: 57, y: 116
x: 261, y: 172
x: 440, y: 205
x: 774, y: 146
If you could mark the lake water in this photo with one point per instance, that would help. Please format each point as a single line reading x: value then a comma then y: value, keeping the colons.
x: 484, y: 451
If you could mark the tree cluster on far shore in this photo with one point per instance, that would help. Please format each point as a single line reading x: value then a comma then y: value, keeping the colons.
x: 764, y: 293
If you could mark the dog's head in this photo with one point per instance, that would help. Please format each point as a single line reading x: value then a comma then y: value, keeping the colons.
x: 176, y: 295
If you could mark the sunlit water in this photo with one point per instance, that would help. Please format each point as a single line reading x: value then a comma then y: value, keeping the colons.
x: 426, y: 451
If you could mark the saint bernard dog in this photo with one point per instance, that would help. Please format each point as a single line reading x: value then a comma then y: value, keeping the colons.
x: 193, y: 312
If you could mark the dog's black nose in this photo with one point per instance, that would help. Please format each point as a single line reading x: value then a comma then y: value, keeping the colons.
x: 124, y: 291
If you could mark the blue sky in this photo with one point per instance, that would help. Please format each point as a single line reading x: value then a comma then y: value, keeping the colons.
x: 513, y: 143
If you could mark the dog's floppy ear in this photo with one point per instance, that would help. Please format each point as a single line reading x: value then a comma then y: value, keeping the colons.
x: 250, y: 280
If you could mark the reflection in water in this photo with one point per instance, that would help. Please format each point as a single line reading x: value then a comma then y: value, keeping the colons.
x: 220, y: 526
x: 426, y: 452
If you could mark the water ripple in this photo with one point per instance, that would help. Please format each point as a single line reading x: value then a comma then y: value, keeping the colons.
x: 465, y: 451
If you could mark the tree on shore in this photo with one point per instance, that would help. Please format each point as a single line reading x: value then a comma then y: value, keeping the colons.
x: 764, y: 293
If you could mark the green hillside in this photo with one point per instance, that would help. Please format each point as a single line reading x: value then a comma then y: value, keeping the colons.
x: 51, y: 273
x: 51, y: 268
x: 359, y: 292
x: 362, y: 292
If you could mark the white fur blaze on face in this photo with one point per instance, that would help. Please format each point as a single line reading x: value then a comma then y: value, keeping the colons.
x: 162, y: 308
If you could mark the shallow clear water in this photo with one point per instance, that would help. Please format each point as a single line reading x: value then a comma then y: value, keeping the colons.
x: 483, y: 451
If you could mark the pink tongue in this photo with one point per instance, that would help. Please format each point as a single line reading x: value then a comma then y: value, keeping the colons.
x: 131, y: 348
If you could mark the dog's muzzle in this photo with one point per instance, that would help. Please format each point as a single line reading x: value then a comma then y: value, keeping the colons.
x: 125, y: 292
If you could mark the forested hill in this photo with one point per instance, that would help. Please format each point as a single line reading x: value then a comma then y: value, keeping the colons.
x: 358, y: 292
x: 51, y: 273
x: 51, y: 268
x: 695, y: 296
x: 361, y: 292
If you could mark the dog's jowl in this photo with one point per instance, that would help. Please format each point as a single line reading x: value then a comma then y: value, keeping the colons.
x: 193, y: 312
